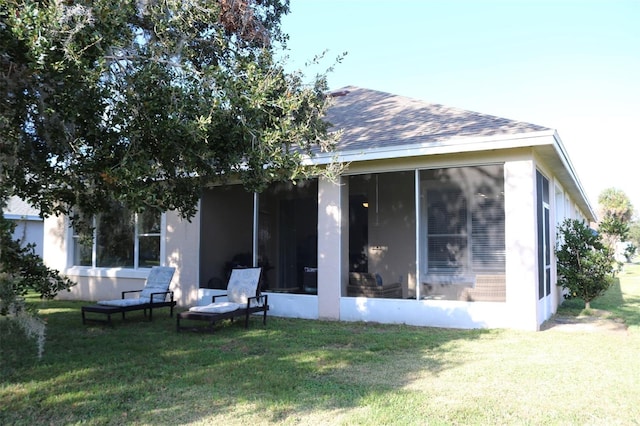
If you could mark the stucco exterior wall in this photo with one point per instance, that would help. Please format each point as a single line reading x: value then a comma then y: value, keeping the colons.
x: 182, y: 251
x: 54, y: 245
x: 332, y: 229
x: 29, y: 231
x: 521, y: 244
x: 181, y: 247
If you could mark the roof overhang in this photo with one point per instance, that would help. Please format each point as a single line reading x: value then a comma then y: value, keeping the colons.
x: 546, y: 144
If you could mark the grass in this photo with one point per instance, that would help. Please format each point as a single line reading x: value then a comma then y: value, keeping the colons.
x: 314, y: 372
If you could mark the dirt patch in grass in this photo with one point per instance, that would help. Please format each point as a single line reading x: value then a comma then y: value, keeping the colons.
x: 595, y: 320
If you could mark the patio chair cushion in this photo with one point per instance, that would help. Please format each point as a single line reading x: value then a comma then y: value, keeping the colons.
x: 125, y: 302
x: 157, y: 282
x: 243, y: 284
x: 216, y: 308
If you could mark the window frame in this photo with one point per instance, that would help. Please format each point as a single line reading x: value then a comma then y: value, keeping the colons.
x: 75, y: 245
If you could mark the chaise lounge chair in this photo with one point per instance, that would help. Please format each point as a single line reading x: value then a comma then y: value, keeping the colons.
x: 155, y: 294
x: 243, y: 299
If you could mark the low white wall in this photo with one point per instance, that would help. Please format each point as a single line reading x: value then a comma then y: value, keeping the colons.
x: 103, y: 283
x: 449, y: 314
x: 293, y: 305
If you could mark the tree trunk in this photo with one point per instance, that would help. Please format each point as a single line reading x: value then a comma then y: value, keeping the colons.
x: 587, y: 305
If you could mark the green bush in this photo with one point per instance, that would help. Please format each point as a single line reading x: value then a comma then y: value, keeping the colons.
x: 585, y: 263
x: 23, y: 271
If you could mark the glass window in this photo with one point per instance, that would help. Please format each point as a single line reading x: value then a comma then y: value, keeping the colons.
x: 148, y: 232
x: 462, y: 233
x: 120, y: 239
x: 115, y: 238
x: 544, y: 236
x: 447, y: 223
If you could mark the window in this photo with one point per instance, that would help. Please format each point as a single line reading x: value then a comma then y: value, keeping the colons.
x: 447, y: 229
x: 120, y: 239
x: 462, y: 227
x: 544, y: 236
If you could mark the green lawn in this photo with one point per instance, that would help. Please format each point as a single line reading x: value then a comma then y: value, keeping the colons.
x: 314, y: 372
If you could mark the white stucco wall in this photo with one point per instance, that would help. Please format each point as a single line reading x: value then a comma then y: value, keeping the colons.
x: 29, y: 231
x: 332, y: 230
x: 521, y: 244
x: 181, y: 247
x: 432, y: 313
x: 54, y: 245
x: 182, y: 251
x: 295, y: 306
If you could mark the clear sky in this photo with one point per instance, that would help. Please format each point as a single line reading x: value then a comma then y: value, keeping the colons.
x: 570, y: 65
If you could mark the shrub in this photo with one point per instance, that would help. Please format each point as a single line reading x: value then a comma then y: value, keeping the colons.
x: 22, y: 271
x: 630, y: 252
x: 585, y: 263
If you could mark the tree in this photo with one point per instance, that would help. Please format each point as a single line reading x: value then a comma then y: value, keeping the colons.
x: 585, y: 263
x: 634, y: 232
x: 144, y: 103
x: 616, y: 211
x: 25, y: 272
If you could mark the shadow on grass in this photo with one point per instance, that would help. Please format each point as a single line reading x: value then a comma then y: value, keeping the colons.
x: 145, y: 372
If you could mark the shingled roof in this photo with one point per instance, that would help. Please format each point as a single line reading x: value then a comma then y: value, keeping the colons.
x: 373, y: 119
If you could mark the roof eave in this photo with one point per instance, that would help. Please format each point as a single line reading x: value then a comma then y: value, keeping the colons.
x: 546, y: 138
x: 451, y: 146
x: 578, y: 191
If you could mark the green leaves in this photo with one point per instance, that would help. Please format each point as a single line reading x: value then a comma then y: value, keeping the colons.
x: 21, y: 271
x: 147, y: 102
x: 585, y: 263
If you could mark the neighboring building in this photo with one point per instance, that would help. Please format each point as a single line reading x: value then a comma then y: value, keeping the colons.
x: 29, y: 224
x: 444, y: 217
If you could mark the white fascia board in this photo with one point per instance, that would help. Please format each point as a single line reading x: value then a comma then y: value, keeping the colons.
x: 452, y: 146
x: 566, y: 161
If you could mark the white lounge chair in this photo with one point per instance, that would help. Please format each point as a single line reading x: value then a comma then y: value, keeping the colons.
x: 155, y: 294
x: 243, y: 299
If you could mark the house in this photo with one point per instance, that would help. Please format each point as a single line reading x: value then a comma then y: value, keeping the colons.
x: 29, y: 224
x: 443, y: 217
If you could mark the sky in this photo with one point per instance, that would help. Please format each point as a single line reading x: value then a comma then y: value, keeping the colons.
x: 570, y: 65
